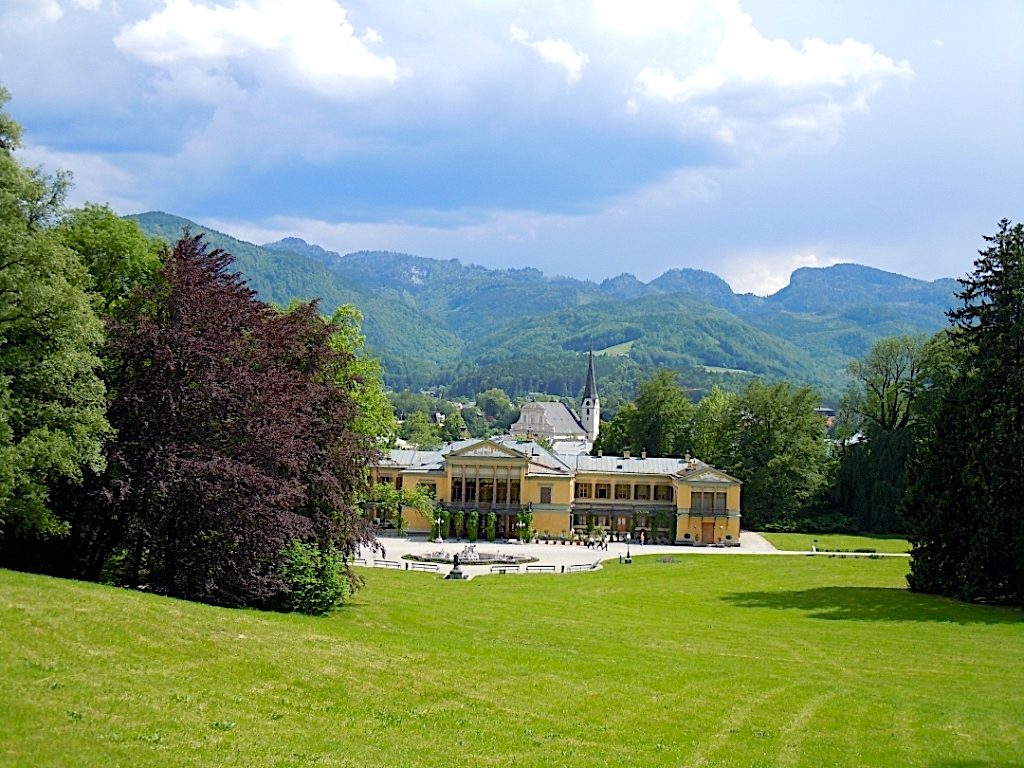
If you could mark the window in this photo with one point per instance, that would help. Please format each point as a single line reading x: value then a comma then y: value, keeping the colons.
x: 582, y: 490
x: 384, y: 479
x: 621, y: 491
x: 707, y: 501
x: 602, y: 491
x: 430, y: 488
x: 663, y: 493
x: 545, y: 494
x: 642, y: 492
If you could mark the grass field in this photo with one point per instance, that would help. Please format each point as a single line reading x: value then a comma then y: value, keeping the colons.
x: 834, y: 542
x: 705, y: 661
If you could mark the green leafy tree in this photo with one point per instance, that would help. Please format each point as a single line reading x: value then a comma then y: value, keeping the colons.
x: 888, y: 381
x: 493, y: 402
x: 386, y: 502
x: 616, y: 436
x: 714, y: 432
x: 52, y: 402
x: 664, y: 415
x: 660, y: 421
x: 419, y: 499
x: 963, y: 509
x: 361, y: 375
x: 454, y: 427
x: 116, y: 253
x: 870, y: 480
x: 780, y: 453
x: 315, y: 577
x: 420, y: 431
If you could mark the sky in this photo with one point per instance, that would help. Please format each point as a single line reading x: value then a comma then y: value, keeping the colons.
x: 584, y: 139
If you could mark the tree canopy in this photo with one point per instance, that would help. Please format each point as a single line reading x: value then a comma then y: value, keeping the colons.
x: 234, y: 438
x: 52, y: 401
x: 964, y: 505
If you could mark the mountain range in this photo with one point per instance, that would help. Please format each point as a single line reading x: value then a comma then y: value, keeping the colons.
x: 442, y: 323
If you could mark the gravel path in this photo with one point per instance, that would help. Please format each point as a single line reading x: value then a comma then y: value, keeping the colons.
x: 561, y: 556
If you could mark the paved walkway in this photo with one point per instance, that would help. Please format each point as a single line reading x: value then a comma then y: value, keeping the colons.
x: 561, y: 556
x: 564, y: 557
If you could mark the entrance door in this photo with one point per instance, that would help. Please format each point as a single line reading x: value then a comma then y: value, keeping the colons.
x: 707, y: 533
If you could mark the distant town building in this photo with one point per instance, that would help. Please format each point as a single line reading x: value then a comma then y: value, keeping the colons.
x: 556, y: 422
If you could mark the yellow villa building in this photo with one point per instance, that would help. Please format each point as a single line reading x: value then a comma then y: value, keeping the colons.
x: 567, y: 491
x: 666, y: 500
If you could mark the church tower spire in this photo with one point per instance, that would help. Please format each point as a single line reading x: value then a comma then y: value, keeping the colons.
x: 591, y: 405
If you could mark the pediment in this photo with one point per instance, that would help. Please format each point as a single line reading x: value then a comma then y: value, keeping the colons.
x: 486, y: 449
x: 709, y: 475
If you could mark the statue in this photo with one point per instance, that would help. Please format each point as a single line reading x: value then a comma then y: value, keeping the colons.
x: 456, y: 573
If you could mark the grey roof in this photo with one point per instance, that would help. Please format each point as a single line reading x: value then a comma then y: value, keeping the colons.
x: 633, y: 465
x: 545, y: 462
x: 590, y: 388
x: 562, y: 419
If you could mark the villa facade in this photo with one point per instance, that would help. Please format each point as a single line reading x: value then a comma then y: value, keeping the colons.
x: 670, y: 500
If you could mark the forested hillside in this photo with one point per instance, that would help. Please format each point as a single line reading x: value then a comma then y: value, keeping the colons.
x: 465, y: 327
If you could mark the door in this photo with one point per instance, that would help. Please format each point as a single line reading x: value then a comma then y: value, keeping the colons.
x: 707, y: 533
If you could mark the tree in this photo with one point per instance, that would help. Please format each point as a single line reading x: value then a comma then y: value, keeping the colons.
x: 454, y: 427
x: 52, y: 401
x: 362, y: 376
x: 117, y: 255
x: 659, y: 421
x: 889, y: 379
x: 780, y: 453
x: 418, y: 430
x: 963, y: 508
x: 662, y: 425
x: 870, y: 481
x: 495, y: 404
x: 714, y: 432
x: 234, y: 438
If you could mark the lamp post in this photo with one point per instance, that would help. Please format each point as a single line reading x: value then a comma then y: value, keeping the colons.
x: 520, y: 525
x: 438, y: 520
x: 629, y: 558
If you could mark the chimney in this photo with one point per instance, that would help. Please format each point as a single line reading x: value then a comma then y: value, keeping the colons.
x: 625, y: 453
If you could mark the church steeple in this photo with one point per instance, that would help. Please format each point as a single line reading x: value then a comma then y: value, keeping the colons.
x: 590, y: 388
x: 591, y: 404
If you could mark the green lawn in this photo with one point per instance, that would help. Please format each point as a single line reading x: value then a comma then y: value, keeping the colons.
x: 834, y: 542
x: 705, y: 661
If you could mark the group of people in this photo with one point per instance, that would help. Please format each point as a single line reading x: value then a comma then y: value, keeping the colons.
x: 602, y: 543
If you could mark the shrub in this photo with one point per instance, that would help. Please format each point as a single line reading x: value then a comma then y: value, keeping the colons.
x: 492, y: 525
x: 473, y: 525
x: 315, y: 577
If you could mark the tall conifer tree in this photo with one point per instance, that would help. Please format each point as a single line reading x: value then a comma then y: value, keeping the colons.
x: 965, y: 506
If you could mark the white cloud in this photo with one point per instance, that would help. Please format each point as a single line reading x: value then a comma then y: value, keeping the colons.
x: 21, y: 14
x: 554, y: 51
x: 709, y: 70
x: 89, y: 5
x: 96, y: 178
x: 310, y: 42
x: 764, y: 273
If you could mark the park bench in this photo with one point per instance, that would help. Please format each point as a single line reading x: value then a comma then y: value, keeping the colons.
x: 541, y: 568
x: 423, y: 566
x: 360, y: 561
x: 504, y: 568
x: 582, y: 567
x: 387, y: 564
